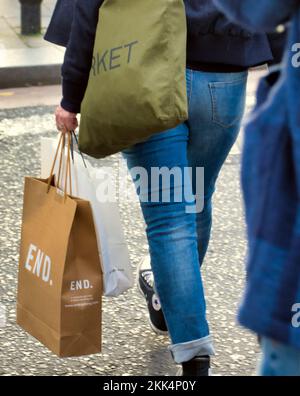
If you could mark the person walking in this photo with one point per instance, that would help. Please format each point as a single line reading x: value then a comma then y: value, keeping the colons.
x: 271, y: 185
x: 219, y: 55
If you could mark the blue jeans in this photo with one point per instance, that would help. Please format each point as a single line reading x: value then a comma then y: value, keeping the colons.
x: 279, y: 359
x: 178, y: 238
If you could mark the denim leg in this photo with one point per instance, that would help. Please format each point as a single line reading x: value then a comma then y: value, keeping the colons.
x: 172, y: 238
x: 279, y: 359
x: 216, y: 108
x: 215, y: 112
x: 178, y: 238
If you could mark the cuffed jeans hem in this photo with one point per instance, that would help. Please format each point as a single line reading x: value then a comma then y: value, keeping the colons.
x: 186, y: 351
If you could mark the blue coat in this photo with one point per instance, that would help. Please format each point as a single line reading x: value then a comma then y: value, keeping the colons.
x: 271, y: 182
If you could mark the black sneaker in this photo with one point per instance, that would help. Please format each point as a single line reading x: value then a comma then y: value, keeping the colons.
x: 146, y: 287
x: 197, y: 367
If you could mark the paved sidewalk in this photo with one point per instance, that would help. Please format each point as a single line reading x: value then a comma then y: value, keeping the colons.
x: 10, y: 26
x: 26, y: 60
x: 129, y: 346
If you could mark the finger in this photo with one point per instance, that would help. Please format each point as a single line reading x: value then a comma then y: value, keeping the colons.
x: 58, y: 121
x: 70, y: 124
x: 61, y: 127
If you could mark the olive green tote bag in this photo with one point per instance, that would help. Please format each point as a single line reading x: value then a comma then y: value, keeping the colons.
x: 137, y: 84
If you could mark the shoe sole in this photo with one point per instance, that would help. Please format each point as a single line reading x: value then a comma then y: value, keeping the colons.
x: 210, y: 374
x: 154, y: 329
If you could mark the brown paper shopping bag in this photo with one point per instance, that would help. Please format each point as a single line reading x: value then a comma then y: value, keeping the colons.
x: 60, y: 277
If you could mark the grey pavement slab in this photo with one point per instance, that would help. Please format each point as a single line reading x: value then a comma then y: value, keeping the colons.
x: 26, y: 60
x: 11, y: 8
x: 10, y: 17
x: 8, y: 37
x: 129, y: 346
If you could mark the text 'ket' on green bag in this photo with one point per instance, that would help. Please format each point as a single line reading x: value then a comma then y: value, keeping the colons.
x: 137, y: 83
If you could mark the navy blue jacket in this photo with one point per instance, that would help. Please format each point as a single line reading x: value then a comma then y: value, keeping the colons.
x: 212, y: 39
x: 271, y: 182
x: 59, y: 29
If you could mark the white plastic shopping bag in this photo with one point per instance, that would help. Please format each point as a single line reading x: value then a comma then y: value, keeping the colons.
x: 113, y: 250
